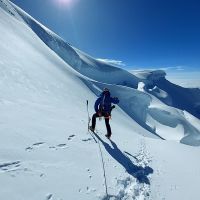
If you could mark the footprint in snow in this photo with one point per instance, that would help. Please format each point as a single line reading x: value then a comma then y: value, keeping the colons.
x: 37, y: 144
x: 9, y: 166
x: 89, y: 190
x: 88, y: 170
x: 129, y: 188
x: 86, y: 140
x: 42, y: 175
x: 49, y: 196
x: 71, y: 136
x: 62, y: 145
x: 80, y: 190
x: 29, y: 148
x: 52, y: 147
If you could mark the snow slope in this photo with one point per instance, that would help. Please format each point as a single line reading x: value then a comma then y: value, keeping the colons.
x: 101, y: 72
x: 44, y: 146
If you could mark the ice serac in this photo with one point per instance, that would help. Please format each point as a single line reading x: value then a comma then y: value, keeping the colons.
x: 149, y: 75
x: 182, y: 98
x: 169, y: 93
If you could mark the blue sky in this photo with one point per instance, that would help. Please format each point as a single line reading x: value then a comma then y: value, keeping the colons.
x: 140, y: 33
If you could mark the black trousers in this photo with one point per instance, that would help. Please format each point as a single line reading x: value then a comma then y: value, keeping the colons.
x: 106, y: 122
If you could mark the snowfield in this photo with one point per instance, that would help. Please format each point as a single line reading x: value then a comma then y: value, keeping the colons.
x: 46, y: 151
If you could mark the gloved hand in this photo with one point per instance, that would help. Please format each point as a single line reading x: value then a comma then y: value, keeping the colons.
x: 112, y: 107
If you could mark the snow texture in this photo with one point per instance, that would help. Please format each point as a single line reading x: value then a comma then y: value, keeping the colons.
x: 46, y: 151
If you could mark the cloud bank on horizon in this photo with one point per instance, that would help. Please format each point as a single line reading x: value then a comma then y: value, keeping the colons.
x: 180, y: 75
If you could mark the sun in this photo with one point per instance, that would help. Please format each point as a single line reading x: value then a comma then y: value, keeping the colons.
x: 65, y: 3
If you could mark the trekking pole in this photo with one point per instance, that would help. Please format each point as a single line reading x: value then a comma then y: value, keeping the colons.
x: 89, y: 119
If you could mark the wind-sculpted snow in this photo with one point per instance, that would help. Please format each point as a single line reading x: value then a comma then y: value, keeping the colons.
x: 171, y: 94
x: 182, y: 98
x: 137, y: 104
x: 163, y: 121
x: 149, y: 76
x: 78, y: 60
x: 44, y: 124
x: 173, y: 126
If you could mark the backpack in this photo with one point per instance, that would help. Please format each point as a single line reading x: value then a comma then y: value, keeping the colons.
x: 105, y: 104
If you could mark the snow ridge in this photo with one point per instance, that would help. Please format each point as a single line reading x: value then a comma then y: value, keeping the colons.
x: 138, y: 105
x: 45, y: 84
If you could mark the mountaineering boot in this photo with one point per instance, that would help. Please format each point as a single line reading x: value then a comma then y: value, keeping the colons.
x: 92, y: 129
x: 108, y: 136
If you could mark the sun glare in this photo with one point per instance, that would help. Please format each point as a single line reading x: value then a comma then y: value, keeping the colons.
x: 65, y: 3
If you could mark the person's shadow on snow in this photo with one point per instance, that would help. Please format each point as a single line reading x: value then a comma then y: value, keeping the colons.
x: 140, y: 173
